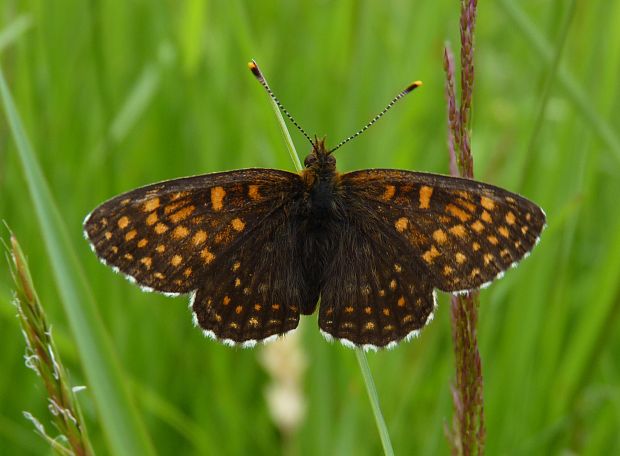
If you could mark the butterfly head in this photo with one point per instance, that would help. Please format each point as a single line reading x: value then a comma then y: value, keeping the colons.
x: 320, y: 159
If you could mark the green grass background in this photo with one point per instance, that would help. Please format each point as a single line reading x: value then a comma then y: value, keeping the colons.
x: 118, y: 94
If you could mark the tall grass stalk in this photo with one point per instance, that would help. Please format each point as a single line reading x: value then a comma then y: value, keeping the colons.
x: 468, y: 431
x: 120, y: 422
x: 359, y: 353
x: 43, y: 357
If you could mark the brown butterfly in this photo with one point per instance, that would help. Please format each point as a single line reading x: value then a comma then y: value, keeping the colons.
x: 256, y: 248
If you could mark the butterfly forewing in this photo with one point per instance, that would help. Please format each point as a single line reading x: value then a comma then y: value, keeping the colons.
x: 458, y: 233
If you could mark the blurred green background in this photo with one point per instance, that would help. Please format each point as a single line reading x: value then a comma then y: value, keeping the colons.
x: 118, y: 94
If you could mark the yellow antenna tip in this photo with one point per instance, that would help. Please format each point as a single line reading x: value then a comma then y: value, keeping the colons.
x: 253, y: 67
x: 413, y: 85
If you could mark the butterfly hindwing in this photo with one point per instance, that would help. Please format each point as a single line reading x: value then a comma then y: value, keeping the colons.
x: 379, y: 297
x: 170, y: 236
x: 259, y: 289
x: 460, y: 232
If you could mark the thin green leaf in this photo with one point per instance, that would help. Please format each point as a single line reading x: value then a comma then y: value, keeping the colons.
x: 123, y: 428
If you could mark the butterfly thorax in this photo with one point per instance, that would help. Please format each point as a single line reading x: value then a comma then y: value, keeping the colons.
x: 320, y: 180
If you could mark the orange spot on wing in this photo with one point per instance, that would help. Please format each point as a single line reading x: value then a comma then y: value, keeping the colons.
x: 151, y: 205
x: 253, y: 192
x: 503, y: 231
x: 440, y: 236
x: 142, y: 242
x: 493, y: 240
x: 348, y: 309
x: 486, y: 217
x: 457, y: 212
x: 160, y: 228
x: 176, y: 260
x: 187, y: 272
x: 510, y: 218
x: 180, y: 232
x: 237, y: 224
x: 401, y: 224
x: 217, y: 198
x: 460, y: 258
x: 160, y: 248
x: 206, y: 255
x: 123, y: 222
x: 130, y: 235
x: 430, y: 254
x: 477, y: 226
x: 458, y: 230
x: 151, y: 219
x: 425, y: 196
x: 368, y: 310
x: 199, y: 237
x: 399, y: 303
x: 487, y: 203
x: 226, y: 300
x: 238, y: 309
x: 369, y: 326
x: 389, y: 192
x: 182, y: 214
x: 147, y: 261
x: 475, y: 246
x: 108, y: 235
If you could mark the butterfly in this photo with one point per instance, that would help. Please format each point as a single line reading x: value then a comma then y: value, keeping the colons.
x: 257, y: 248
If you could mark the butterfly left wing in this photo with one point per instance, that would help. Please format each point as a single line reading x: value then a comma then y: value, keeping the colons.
x: 408, y: 233
x: 372, y: 295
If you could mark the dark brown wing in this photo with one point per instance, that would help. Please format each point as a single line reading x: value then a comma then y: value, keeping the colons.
x: 257, y: 289
x: 216, y: 234
x: 462, y: 233
x: 372, y: 295
x: 408, y: 233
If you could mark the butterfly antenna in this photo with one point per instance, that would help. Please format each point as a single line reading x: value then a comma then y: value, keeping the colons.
x: 259, y: 75
x: 409, y: 89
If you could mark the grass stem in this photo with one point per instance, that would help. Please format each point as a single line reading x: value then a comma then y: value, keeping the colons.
x: 359, y: 353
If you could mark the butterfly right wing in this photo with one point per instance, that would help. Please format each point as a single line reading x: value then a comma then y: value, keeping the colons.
x: 167, y: 236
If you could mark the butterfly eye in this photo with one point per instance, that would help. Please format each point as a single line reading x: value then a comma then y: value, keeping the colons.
x: 310, y: 160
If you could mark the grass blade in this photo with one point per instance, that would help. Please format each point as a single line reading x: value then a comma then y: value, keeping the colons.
x: 124, y: 431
